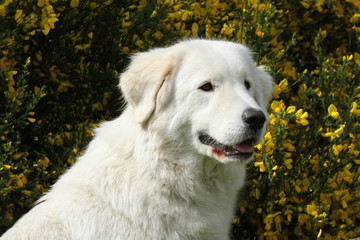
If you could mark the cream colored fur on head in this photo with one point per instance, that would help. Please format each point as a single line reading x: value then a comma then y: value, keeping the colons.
x: 170, y: 167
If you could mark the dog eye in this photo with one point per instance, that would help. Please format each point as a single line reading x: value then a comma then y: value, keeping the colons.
x: 247, y: 84
x: 207, y: 87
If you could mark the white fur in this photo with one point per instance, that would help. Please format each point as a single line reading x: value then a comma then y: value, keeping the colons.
x: 146, y: 175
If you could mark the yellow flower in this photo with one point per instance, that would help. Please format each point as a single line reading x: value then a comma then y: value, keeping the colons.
x: 336, y: 149
x: 340, y: 130
x: 48, y: 17
x: 22, y: 180
x: 32, y: 120
x: 74, y: 3
x: 312, y: 210
x: 332, y: 110
x: 289, y: 69
x: 43, y: 163
x: 26, y: 192
x: 41, y: 3
x: 288, y: 163
x: 289, y: 146
x: 256, y: 193
x: 272, y: 119
x: 64, y: 86
x: 125, y: 24
x: 354, y: 111
x: 19, y: 16
x: 7, y: 166
x: 283, y: 199
x: 357, y: 58
x: 194, y: 29
x: 323, y: 33
x: 288, y: 214
x: 334, y: 134
x: 70, y: 160
x: 328, y: 134
x: 318, y: 92
x: 291, y: 109
x: 305, y: 4
x: 97, y: 107
x: 227, y: 30
x: 303, y: 218
x: 157, y: 35
x: 319, y: 234
x: 139, y: 43
x: 297, y: 188
x: 301, y: 117
x: 259, y: 31
x: 125, y: 50
x: 186, y: 15
x: 262, y: 167
x: 277, y: 106
x: 355, y: 18
x: 282, y: 87
x: 276, y: 91
x: 326, y: 198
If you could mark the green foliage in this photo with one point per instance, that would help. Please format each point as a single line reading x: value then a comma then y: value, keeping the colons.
x: 15, y: 118
x: 59, y: 64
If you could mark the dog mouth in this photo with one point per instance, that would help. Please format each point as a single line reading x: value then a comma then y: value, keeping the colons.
x: 242, y: 150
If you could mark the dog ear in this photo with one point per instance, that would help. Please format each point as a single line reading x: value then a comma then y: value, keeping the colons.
x: 264, y: 86
x: 146, y: 74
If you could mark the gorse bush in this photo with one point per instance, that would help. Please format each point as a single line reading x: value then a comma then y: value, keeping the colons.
x: 59, y: 65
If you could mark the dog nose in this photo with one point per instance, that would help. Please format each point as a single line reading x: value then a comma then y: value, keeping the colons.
x: 254, y: 117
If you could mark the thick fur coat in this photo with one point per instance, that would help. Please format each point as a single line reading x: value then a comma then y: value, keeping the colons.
x: 170, y: 167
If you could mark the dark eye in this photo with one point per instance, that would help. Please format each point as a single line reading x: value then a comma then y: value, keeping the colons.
x: 247, y: 84
x: 207, y: 87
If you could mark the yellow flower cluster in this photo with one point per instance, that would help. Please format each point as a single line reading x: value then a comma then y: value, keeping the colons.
x: 304, y: 181
x: 305, y: 162
x: 48, y: 16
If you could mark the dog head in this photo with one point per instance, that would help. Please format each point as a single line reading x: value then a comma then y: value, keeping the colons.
x: 206, y: 93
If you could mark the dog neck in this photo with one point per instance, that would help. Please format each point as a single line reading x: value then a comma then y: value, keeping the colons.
x: 175, y: 160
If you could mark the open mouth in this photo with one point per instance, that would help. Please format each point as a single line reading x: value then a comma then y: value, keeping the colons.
x: 242, y: 150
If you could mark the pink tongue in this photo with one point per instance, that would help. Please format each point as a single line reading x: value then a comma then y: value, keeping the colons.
x: 245, y: 147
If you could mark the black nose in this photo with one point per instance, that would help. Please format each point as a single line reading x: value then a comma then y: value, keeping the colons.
x: 254, y: 117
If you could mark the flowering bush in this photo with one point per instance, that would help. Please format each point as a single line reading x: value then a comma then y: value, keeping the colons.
x: 59, y: 65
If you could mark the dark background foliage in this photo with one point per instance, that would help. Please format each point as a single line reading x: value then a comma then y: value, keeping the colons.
x: 60, y: 62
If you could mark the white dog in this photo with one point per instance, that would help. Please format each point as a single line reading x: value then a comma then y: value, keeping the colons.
x: 171, y: 165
